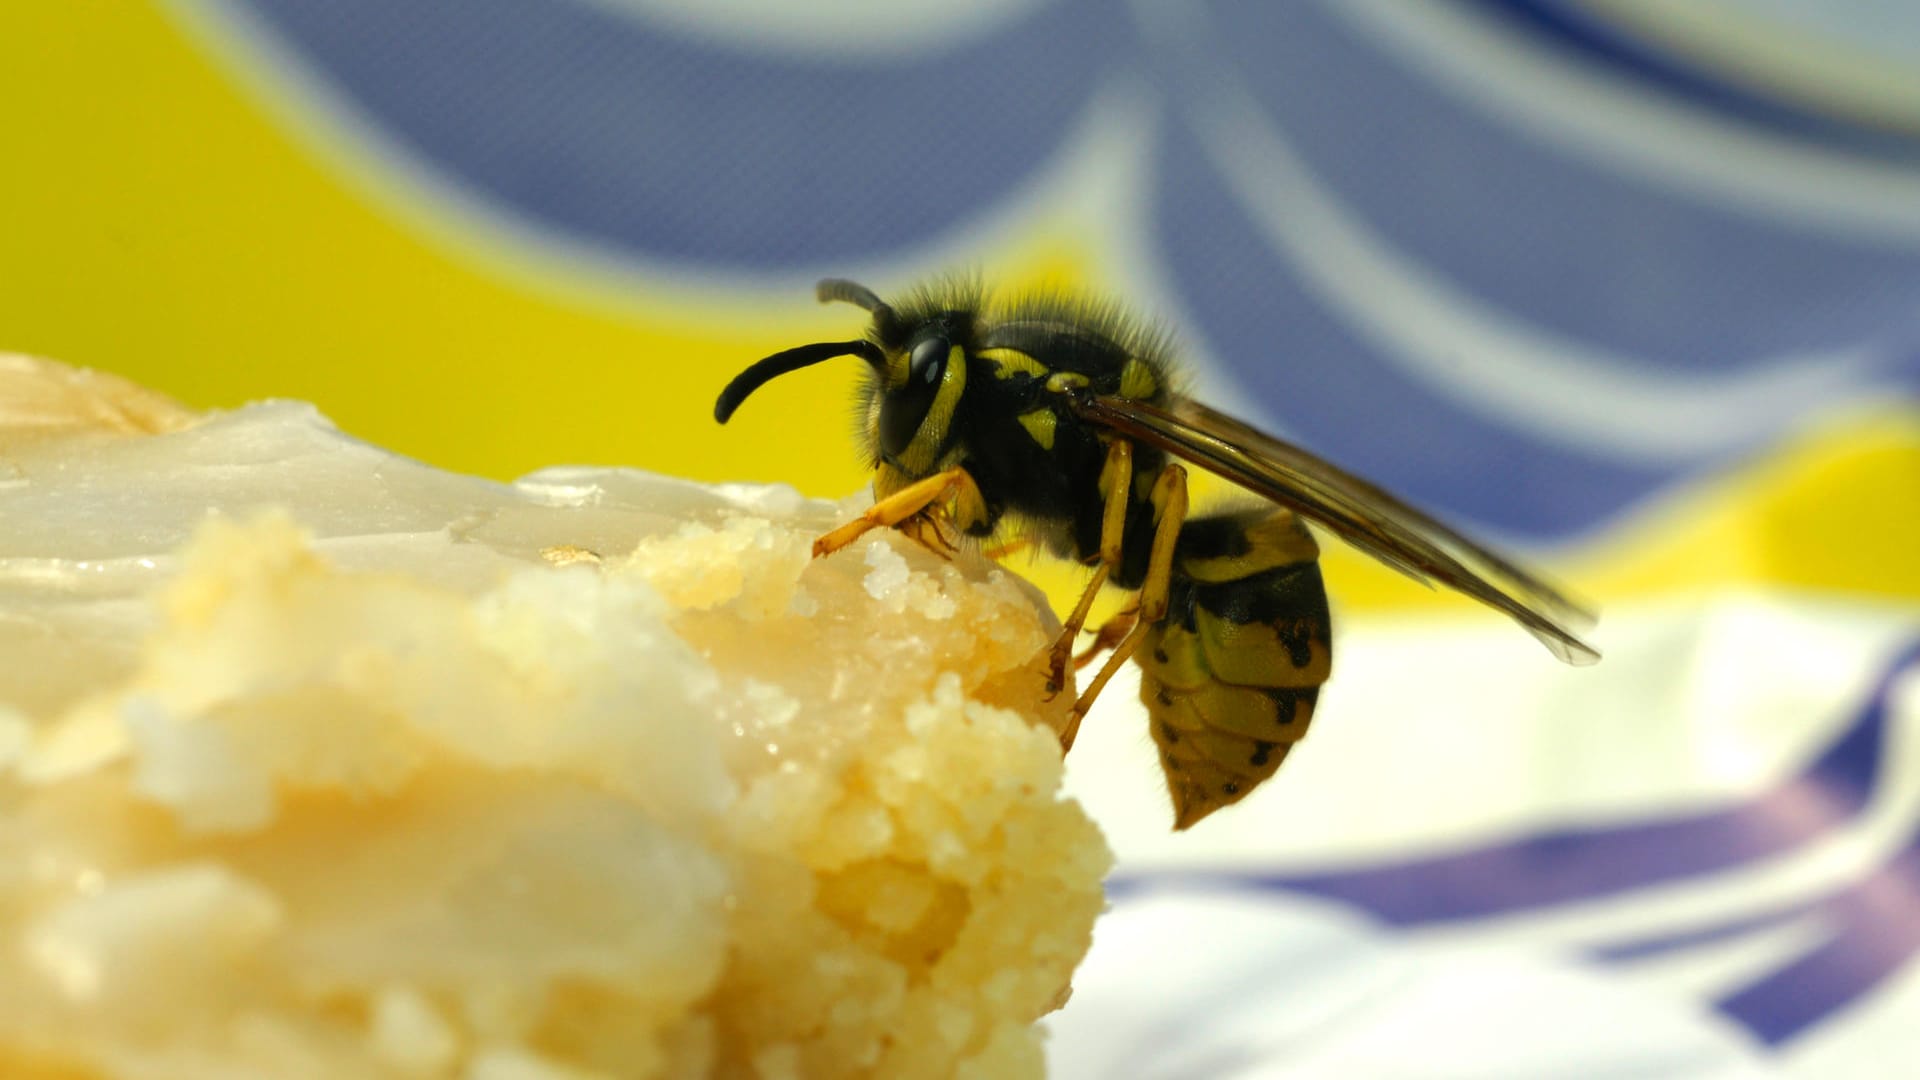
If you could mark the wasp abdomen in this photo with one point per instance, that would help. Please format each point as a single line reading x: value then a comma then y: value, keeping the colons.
x: 1231, y: 675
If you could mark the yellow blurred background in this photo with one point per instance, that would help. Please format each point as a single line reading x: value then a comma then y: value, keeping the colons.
x: 160, y: 225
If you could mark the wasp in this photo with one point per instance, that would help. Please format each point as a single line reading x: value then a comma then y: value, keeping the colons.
x: 1059, y: 420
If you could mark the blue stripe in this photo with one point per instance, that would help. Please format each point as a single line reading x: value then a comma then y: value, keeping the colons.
x: 1620, y: 952
x: 1589, y: 36
x: 1874, y: 932
x: 1583, y: 863
x: 1878, y: 934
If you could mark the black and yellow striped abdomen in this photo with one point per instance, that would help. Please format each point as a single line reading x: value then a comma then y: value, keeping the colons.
x: 1231, y: 675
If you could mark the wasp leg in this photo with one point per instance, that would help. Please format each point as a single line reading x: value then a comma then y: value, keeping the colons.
x: 1170, y: 512
x: 1116, y: 478
x: 1001, y: 551
x: 932, y: 530
x: 1111, y: 633
x: 1062, y: 649
x: 908, y: 502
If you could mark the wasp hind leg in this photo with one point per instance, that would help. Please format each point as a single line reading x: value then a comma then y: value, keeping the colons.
x: 1169, y: 500
x: 1116, y: 477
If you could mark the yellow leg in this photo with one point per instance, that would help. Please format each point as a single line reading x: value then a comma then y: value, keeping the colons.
x: 1170, y: 513
x: 1011, y: 547
x: 906, y: 503
x: 1116, y: 480
x: 1062, y: 650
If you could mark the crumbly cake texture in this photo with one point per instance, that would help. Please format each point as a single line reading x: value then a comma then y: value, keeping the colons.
x: 318, y: 762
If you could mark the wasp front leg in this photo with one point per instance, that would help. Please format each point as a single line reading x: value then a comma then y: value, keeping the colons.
x: 1170, y: 513
x: 951, y: 494
x: 932, y: 529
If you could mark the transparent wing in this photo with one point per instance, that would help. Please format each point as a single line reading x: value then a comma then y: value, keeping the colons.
x: 1359, y: 512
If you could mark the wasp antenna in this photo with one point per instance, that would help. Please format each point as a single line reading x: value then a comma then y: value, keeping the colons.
x: 794, y: 359
x: 851, y: 292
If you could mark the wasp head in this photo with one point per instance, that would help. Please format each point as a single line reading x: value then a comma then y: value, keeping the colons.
x: 916, y: 374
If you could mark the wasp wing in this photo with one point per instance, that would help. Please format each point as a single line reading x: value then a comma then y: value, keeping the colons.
x: 1359, y: 512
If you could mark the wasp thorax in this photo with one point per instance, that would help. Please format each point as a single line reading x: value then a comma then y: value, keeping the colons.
x: 904, y: 406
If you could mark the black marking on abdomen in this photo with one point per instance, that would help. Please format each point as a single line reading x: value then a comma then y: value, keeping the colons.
x: 1287, y: 700
x: 1284, y: 595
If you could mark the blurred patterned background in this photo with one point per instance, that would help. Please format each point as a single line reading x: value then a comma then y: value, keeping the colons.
x: 1634, y: 286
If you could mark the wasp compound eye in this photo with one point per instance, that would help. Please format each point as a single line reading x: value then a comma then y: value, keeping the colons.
x: 905, y: 407
x: 929, y: 361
